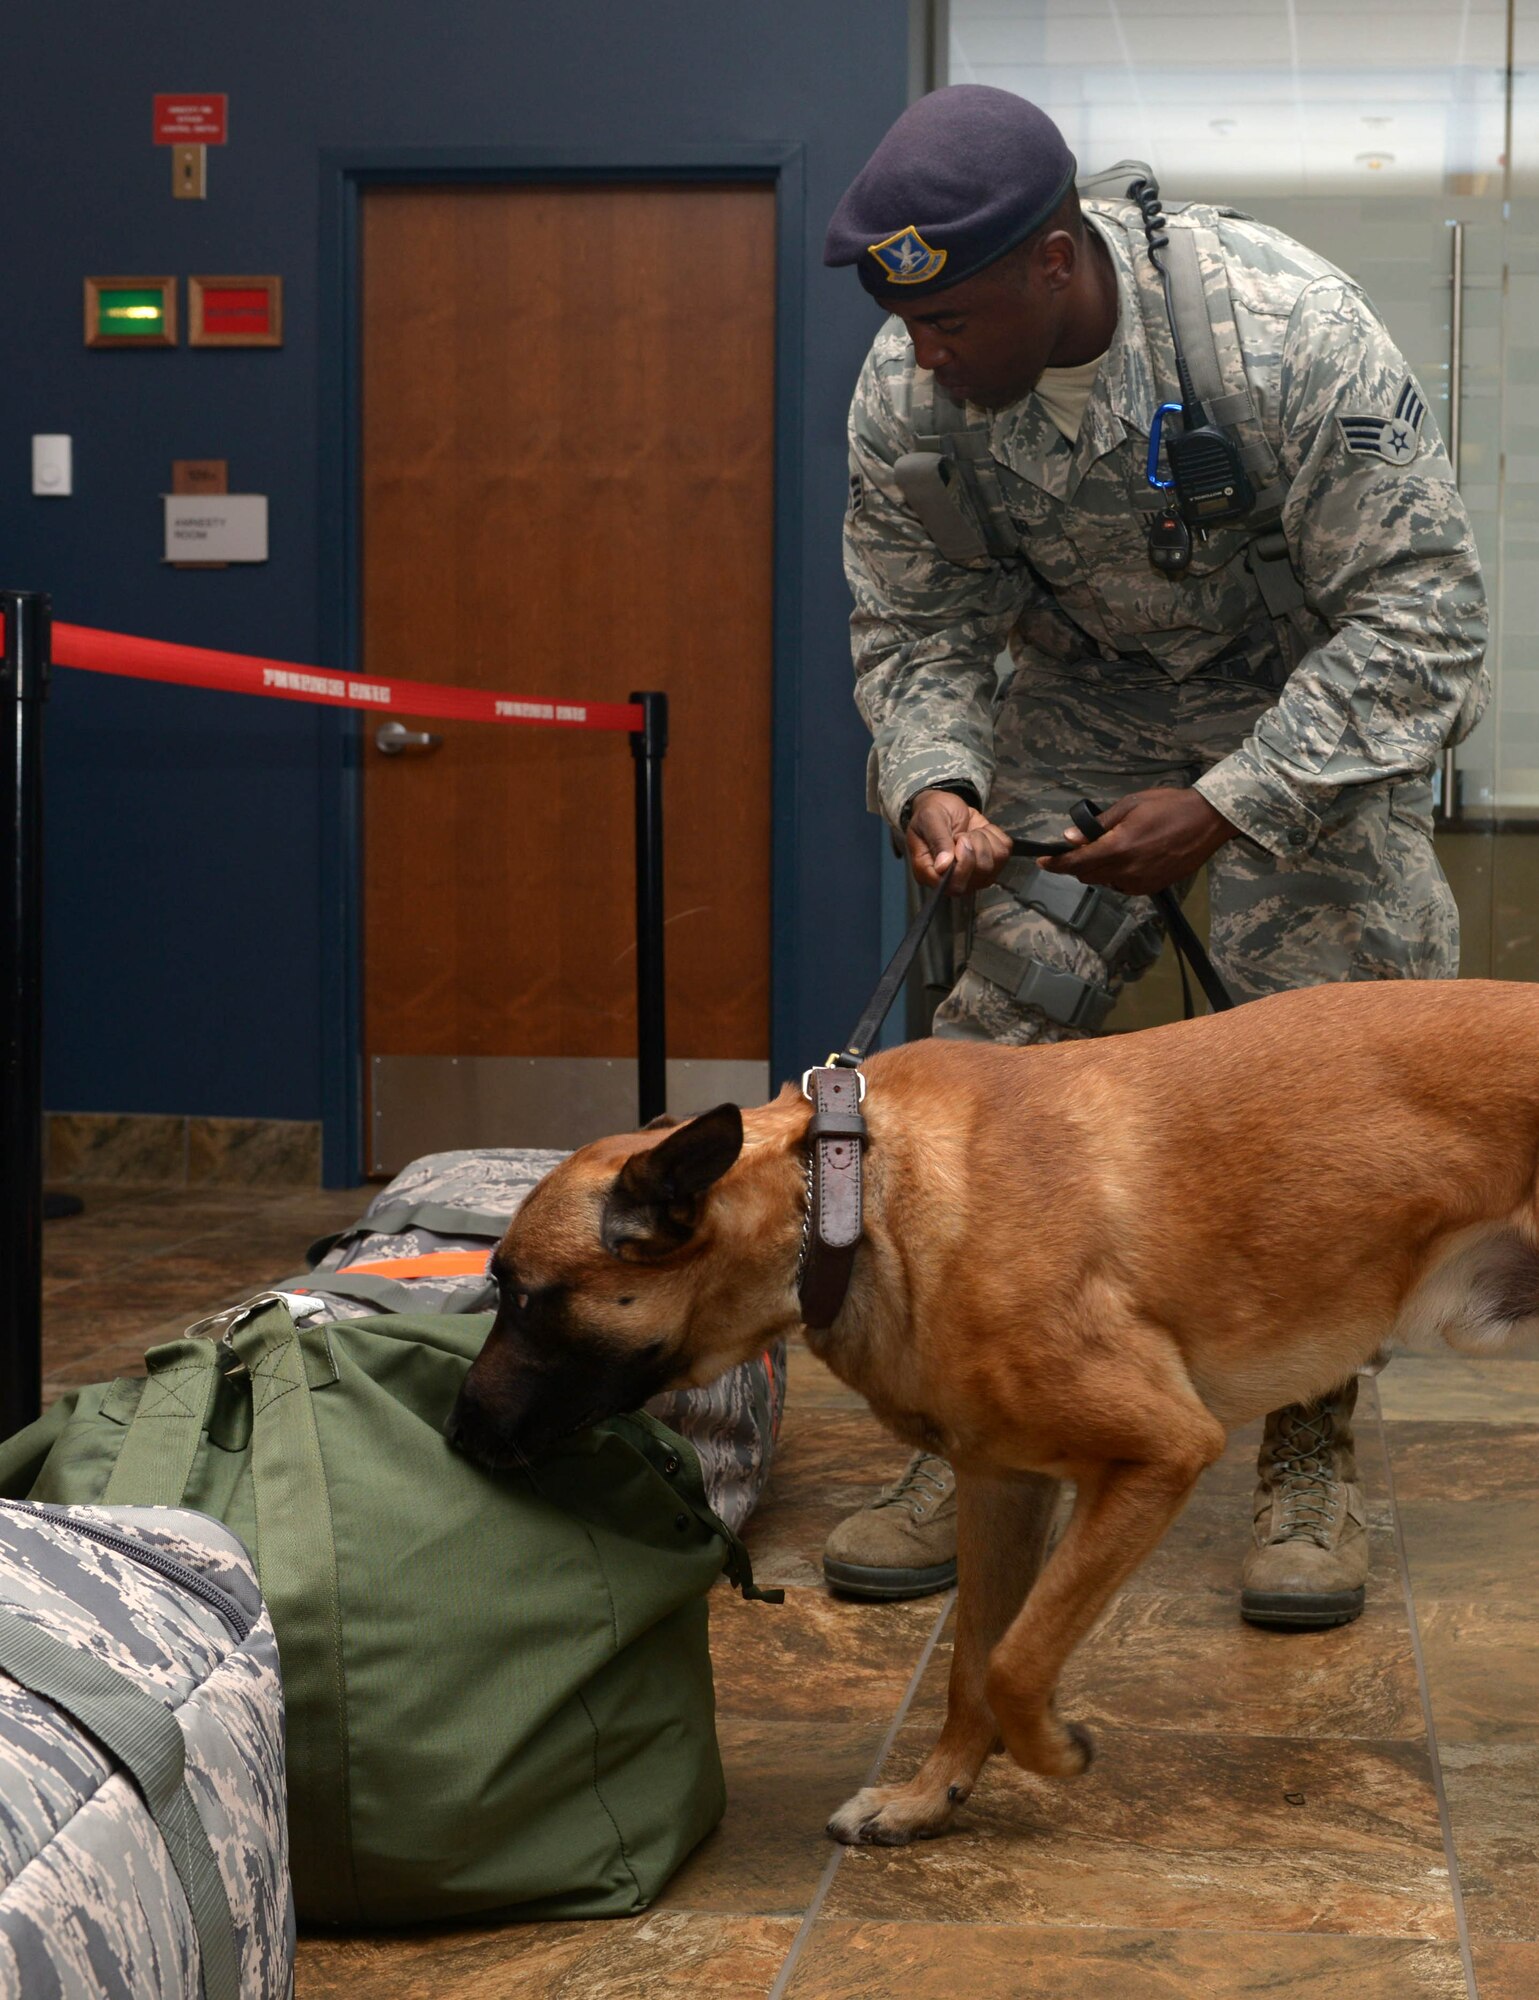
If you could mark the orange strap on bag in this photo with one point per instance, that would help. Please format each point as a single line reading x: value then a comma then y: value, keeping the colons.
x: 435, y: 1264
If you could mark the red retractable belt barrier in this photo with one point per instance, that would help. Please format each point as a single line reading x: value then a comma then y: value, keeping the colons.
x: 26, y: 628
x: 245, y: 673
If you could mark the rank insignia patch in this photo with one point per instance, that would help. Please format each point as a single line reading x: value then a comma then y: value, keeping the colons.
x: 907, y: 258
x: 857, y: 493
x: 1395, y: 439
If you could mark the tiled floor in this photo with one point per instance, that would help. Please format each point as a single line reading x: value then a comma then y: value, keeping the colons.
x: 1353, y: 1813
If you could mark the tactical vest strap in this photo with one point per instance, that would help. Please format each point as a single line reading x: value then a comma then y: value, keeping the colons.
x: 1212, y: 349
x: 1062, y: 996
x: 951, y: 482
x: 1114, y: 927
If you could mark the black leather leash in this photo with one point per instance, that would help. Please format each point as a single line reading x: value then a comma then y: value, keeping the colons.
x: 836, y: 1131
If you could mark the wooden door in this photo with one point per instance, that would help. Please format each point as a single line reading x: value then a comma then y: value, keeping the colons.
x: 568, y: 434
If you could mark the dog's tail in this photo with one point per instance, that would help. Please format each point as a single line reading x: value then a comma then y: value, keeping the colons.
x: 1479, y: 1296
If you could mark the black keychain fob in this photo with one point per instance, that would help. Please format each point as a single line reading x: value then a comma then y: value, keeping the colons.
x: 1170, y: 542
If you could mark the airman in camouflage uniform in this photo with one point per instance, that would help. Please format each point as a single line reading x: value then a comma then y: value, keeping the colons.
x: 1291, y: 749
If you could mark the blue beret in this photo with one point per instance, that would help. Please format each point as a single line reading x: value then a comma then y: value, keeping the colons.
x: 963, y: 176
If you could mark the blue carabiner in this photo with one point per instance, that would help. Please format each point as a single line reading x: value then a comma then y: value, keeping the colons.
x: 1156, y: 438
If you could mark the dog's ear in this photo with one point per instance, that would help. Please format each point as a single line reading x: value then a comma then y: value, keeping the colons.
x: 654, y: 1205
x: 662, y: 1122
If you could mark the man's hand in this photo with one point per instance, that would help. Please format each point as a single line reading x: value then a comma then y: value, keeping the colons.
x: 1152, y: 839
x: 943, y: 829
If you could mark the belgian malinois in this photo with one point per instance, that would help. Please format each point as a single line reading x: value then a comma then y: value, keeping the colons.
x: 1079, y: 1262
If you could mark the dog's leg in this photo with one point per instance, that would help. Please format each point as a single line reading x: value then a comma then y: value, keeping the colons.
x: 1002, y: 1530
x: 1123, y: 1505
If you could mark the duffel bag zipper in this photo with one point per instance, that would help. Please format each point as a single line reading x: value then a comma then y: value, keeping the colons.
x: 182, y: 1574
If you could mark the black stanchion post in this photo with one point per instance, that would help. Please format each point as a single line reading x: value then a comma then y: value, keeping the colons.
x: 649, y: 745
x: 23, y: 690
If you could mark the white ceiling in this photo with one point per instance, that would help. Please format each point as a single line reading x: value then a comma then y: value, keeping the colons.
x: 1296, y: 96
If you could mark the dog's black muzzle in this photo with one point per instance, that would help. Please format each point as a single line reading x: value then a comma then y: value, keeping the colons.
x: 515, y: 1405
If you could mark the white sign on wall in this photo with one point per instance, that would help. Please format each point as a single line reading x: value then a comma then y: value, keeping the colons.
x: 216, y: 527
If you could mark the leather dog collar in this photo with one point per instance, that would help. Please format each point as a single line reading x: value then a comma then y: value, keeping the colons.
x: 831, y: 1226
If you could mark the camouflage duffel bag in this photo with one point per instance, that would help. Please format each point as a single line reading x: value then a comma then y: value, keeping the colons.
x: 143, y: 1839
x: 421, y: 1247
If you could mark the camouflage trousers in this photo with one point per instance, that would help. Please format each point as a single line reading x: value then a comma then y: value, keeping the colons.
x: 1366, y: 901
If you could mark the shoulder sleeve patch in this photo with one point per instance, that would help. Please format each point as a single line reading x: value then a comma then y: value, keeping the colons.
x: 1395, y: 438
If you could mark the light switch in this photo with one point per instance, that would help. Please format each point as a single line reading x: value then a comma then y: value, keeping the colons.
x: 52, y: 468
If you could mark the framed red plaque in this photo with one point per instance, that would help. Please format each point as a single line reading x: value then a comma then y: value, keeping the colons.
x: 235, y: 312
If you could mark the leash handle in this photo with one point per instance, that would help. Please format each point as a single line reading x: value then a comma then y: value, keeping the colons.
x: 1189, y: 948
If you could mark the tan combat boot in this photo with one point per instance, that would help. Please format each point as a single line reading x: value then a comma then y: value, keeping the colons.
x: 904, y: 1543
x: 1308, y: 1565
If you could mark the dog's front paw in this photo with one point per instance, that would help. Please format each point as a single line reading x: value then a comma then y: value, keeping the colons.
x: 891, y: 1816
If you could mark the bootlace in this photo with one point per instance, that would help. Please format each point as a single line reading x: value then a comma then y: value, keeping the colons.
x: 918, y: 1485
x: 1303, y: 1465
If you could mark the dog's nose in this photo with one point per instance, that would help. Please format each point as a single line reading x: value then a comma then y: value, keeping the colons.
x: 461, y: 1426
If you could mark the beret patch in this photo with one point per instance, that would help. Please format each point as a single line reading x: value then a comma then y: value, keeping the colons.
x: 906, y: 259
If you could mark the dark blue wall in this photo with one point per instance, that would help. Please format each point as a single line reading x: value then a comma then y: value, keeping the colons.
x: 185, y: 945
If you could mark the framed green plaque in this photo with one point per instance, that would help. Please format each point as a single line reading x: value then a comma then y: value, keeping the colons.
x: 130, y: 312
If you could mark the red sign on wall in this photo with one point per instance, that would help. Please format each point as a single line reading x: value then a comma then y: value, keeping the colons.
x: 237, y: 309
x: 191, y: 121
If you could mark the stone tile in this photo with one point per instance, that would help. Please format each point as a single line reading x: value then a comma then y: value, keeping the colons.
x: 97, y: 1195
x: 1183, y: 1661
x: 141, y: 1223
x: 115, y: 1146
x: 1473, y: 1548
x: 253, y: 1152
x: 1493, y: 1804
x: 1448, y: 1389
x: 1179, y: 1832
x: 1453, y: 1462
x: 1507, y: 1971
x: 784, y: 1779
x: 70, y: 1335
x: 1482, y: 1663
x: 654, y: 1957
x: 186, y: 1276
x: 815, y: 1658
x: 939, y: 1961
x: 1172, y: 1661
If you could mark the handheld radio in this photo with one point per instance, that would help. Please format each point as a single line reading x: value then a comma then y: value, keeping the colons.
x: 1207, y: 484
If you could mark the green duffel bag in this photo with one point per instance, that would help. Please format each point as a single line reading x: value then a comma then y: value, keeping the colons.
x: 498, y: 1686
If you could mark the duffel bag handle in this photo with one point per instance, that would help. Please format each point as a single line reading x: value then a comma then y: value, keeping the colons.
x: 296, y: 1557
x: 160, y: 1446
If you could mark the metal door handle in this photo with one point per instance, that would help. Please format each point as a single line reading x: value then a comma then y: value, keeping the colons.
x: 392, y: 738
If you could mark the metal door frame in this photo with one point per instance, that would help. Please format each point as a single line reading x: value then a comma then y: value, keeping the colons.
x: 345, y: 174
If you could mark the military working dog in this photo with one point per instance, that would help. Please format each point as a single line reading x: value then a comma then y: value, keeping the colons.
x: 1079, y: 1262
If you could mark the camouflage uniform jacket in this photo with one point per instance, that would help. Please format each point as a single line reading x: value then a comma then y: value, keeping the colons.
x: 1386, y: 655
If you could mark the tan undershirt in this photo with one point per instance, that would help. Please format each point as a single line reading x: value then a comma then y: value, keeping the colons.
x: 1064, y: 392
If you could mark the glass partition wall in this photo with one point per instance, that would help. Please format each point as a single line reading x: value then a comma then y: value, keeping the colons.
x: 1401, y: 141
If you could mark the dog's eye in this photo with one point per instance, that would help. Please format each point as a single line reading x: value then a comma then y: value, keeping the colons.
x: 625, y: 1302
